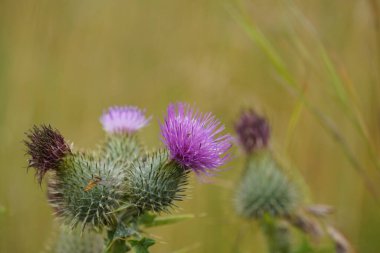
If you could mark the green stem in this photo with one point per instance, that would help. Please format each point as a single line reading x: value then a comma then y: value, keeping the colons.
x: 277, y: 235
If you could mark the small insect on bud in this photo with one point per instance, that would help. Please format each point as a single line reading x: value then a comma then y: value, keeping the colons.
x: 253, y: 131
x: 46, y: 148
x: 87, y: 191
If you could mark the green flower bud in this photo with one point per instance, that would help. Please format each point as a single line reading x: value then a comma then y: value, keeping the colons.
x: 155, y: 182
x: 265, y: 189
x: 87, y: 190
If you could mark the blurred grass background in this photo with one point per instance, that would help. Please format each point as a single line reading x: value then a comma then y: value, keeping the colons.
x: 311, y: 66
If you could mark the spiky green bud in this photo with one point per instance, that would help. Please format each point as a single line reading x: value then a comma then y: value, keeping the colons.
x: 86, y: 190
x: 155, y: 182
x: 75, y: 242
x: 265, y: 189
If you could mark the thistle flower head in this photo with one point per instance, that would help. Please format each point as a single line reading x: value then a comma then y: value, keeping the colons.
x: 46, y: 148
x: 124, y: 119
x: 252, y: 130
x: 194, y: 139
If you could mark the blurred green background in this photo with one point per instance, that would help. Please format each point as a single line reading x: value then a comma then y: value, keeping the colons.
x: 64, y: 62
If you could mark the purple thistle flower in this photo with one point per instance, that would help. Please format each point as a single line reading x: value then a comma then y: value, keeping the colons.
x: 253, y: 130
x: 193, y: 139
x: 46, y: 148
x: 124, y: 119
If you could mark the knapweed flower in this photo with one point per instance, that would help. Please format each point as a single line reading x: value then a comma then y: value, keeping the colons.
x: 46, y: 148
x: 124, y: 119
x: 194, y: 139
x: 253, y: 131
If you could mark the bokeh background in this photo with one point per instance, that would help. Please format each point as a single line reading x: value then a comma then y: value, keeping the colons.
x: 312, y: 67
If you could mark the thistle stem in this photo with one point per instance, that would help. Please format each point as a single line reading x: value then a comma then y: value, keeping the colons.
x: 277, y: 235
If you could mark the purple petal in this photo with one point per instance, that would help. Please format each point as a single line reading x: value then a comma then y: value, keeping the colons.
x: 193, y: 139
x: 124, y: 119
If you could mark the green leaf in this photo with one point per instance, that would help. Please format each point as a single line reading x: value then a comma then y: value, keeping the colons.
x: 118, y: 246
x: 141, y: 246
x: 154, y: 221
x: 146, y: 219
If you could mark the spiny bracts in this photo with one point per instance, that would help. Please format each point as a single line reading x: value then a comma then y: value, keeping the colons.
x: 265, y: 189
x: 86, y: 190
x: 154, y: 182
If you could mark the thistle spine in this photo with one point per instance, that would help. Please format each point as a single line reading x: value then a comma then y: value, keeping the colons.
x: 265, y: 189
x: 74, y: 203
x: 155, y: 182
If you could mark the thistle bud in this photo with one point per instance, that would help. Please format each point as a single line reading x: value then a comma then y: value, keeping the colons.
x: 87, y: 190
x: 155, y: 182
x: 46, y: 148
x: 265, y: 189
x: 253, y: 131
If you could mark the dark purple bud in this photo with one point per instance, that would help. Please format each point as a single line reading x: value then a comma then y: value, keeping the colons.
x: 46, y: 148
x: 253, y: 131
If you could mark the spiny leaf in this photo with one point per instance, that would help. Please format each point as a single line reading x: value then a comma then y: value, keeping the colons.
x: 141, y: 246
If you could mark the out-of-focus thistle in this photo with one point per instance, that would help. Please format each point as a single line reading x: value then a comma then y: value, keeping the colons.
x: 265, y: 192
x: 264, y: 188
x: 252, y: 130
x: 124, y: 119
x: 114, y: 187
x: 121, y: 122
